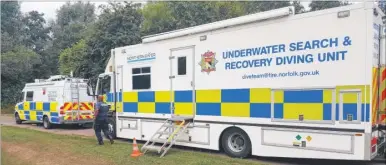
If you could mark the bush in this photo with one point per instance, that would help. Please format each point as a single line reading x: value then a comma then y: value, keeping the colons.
x: 7, y: 109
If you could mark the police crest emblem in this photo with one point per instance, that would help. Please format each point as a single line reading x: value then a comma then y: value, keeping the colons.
x: 208, y: 62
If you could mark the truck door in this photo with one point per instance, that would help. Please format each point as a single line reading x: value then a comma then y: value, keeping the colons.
x: 104, y: 89
x: 119, y: 86
x: 182, y: 80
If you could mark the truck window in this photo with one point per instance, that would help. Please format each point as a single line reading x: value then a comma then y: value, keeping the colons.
x: 181, y: 64
x: 141, y: 78
x: 104, y: 86
x: 30, y: 96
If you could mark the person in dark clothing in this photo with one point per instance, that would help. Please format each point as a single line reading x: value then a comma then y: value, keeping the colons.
x: 101, y: 121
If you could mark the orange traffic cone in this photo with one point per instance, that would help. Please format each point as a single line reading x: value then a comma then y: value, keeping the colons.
x: 136, y: 152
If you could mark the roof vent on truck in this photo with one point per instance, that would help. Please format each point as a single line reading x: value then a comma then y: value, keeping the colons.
x: 281, y: 12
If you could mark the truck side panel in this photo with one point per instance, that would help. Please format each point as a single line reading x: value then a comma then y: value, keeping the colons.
x: 297, y: 81
x: 288, y: 90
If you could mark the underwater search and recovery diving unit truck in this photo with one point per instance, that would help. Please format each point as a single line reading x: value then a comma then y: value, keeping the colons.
x: 271, y: 84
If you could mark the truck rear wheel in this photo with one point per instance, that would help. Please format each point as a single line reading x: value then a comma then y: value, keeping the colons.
x: 17, y: 119
x: 46, y: 123
x: 236, y: 143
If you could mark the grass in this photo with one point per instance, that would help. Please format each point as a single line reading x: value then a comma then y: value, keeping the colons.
x: 83, y: 150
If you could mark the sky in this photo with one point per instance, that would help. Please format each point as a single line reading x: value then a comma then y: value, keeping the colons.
x: 49, y: 8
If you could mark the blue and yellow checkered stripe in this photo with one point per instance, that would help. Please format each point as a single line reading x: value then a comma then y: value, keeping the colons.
x: 34, y: 111
x: 109, y: 99
x: 255, y: 103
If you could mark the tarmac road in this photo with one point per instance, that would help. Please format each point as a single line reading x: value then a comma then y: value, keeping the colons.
x: 74, y: 130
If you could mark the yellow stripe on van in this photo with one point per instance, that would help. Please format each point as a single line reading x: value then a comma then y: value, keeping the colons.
x: 130, y: 96
x: 32, y: 115
x: 208, y: 96
x: 39, y: 106
x: 310, y: 111
x: 164, y: 96
x: 53, y: 106
x: 183, y: 108
x: 235, y: 109
x: 26, y: 106
x: 145, y: 107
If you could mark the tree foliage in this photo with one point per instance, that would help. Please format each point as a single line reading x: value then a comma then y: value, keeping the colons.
x: 299, y: 8
x: 36, y: 35
x: 11, y: 25
x: 10, y: 17
x: 320, y: 5
x: 118, y: 25
x: 73, y: 23
x: 167, y: 16
x: 17, y: 68
x: 71, y: 59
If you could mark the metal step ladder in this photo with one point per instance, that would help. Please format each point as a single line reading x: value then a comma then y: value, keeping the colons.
x: 74, y: 86
x: 171, y: 131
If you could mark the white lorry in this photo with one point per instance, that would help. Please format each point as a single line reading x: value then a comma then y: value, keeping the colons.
x: 269, y: 84
x: 57, y: 100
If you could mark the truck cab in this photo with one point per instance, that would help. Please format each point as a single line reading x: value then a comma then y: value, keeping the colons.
x: 105, y: 88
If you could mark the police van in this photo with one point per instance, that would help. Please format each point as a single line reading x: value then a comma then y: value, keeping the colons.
x: 272, y: 84
x: 58, y: 100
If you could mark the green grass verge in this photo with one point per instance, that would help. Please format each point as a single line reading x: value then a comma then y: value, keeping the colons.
x: 118, y: 153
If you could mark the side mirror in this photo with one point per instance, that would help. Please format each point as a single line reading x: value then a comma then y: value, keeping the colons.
x: 89, y: 91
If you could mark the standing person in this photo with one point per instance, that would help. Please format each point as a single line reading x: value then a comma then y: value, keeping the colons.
x: 101, y: 121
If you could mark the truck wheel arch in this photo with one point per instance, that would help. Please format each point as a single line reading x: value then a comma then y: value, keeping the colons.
x: 46, y: 117
x: 17, y: 116
x: 238, y: 130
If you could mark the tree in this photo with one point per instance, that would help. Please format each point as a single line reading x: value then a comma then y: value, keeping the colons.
x: 10, y: 17
x: 75, y: 13
x: 71, y: 25
x: 157, y: 18
x: 118, y: 25
x: 299, y: 8
x: 36, y: 35
x: 320, y: 5
x: 71, y: 59
x: 11, y: 25
x: 167, y: 16
x: 227, y: 9
x: 271, y: 5
x: 16, y: 70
